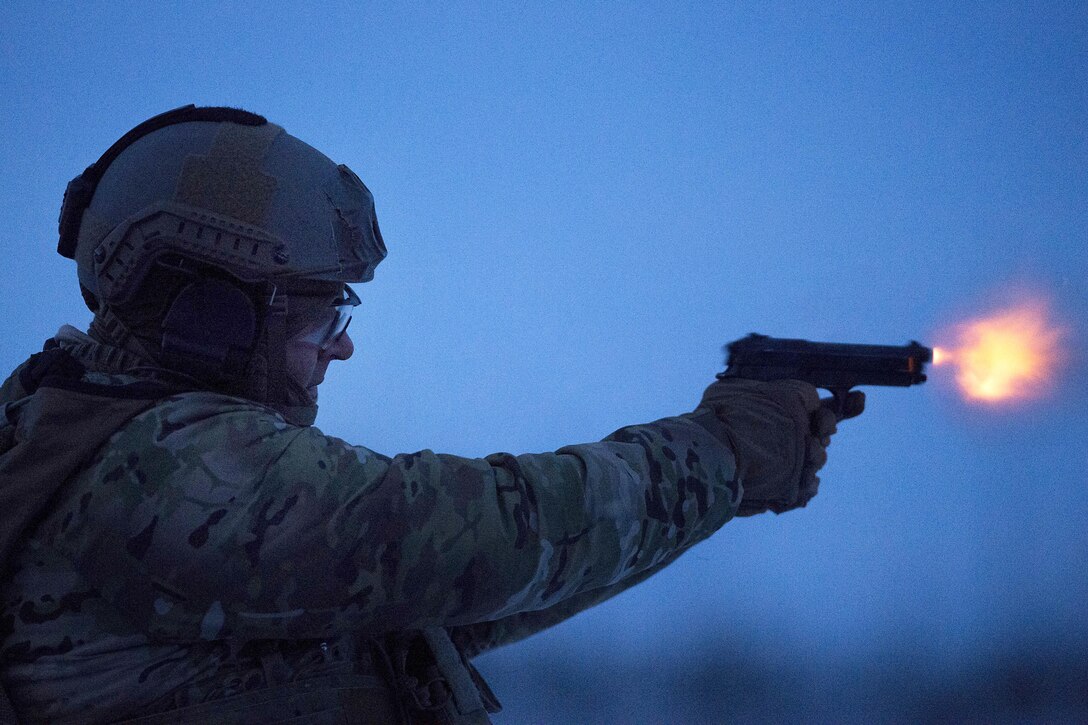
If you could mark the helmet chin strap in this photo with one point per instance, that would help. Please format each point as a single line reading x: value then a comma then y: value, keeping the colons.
x: 279, y: 390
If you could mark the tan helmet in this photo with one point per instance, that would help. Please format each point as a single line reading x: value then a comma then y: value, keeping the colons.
x: 223, y: 187
x: 231, y: 198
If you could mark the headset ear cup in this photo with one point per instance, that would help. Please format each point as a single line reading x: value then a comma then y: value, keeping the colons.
x: 210, y: 330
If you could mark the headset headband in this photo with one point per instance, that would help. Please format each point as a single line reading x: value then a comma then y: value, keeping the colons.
x: 80, y: 190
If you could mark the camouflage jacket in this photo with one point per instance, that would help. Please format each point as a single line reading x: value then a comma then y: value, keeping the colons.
x: 210, y: 548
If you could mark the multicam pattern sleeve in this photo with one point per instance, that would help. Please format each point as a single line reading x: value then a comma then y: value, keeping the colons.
x: 474, y: 639
x: 210, y: 517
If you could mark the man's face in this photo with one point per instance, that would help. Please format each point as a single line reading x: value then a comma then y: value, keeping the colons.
x: 307, y: 362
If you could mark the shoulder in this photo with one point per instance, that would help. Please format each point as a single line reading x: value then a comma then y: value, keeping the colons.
x: 193, y: 435
x: 191, y: 441
x: 189, y: 459
x: 204, y: 417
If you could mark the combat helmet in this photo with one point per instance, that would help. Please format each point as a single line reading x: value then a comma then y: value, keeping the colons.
x: 239, y: 216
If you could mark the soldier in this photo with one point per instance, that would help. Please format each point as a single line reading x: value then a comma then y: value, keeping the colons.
x: 182, y: 545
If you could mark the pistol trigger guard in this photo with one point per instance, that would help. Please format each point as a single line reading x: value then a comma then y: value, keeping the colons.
x: 838, y: 402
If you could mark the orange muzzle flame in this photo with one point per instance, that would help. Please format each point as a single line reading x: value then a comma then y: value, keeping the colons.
x: 1010, y: 355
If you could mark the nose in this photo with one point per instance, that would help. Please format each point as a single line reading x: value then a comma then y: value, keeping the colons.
x: 343, y: 348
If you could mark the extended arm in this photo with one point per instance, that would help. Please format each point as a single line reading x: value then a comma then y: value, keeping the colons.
x: 277, y: 531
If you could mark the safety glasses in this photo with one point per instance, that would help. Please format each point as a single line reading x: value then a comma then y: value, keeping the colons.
x: 325, y: 336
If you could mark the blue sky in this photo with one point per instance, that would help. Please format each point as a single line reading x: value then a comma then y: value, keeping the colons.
x: 584, y: 201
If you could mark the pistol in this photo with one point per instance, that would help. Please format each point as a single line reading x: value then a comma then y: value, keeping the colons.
x: 833, y: 366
